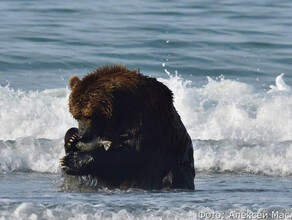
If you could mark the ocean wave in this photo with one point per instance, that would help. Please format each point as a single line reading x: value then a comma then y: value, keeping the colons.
x: 228, y: 109
x: 30, y: 154
x: 265, y: 158
x: 234, y: 128
x: 221, y: 109
x: 42, y: 114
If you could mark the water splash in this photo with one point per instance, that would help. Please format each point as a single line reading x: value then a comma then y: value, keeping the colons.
x: 281, y: 86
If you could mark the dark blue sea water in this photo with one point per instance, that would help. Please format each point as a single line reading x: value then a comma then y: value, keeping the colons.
x: 223, y: 60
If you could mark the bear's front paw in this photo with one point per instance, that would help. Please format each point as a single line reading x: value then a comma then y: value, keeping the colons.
x: 71, y: 139
x: 77, y: 163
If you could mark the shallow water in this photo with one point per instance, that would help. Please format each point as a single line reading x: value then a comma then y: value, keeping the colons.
x: 223, y: 193
x: 222, y: 60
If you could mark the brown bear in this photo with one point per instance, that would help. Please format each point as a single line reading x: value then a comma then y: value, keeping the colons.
x: 129, y: 132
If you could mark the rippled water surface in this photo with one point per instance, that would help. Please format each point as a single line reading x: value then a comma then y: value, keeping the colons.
x: 223, y: 60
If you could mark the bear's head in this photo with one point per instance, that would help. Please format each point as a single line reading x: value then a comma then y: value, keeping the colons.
x: 91, y: 98
x: 89, y: 105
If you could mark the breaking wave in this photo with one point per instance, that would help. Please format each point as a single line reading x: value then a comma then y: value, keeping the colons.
x: 234, y: 127
x: 227, y: 109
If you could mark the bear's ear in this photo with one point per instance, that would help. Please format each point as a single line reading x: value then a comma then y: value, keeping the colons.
x: 73, y: 81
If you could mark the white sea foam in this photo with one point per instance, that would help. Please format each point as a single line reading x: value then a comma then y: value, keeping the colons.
x: 88, y: 211
x: 280, y: 85
x: 39, y: 114
x: 30, y: 154
x: 234, y: 127
x: 273, y: 159
x: 226, y: 109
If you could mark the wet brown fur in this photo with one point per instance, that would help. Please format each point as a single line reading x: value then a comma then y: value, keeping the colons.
x: 138, y: 113
x: 95, y: 90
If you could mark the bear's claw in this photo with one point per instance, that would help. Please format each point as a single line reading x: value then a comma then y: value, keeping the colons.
x: 71, y: 139
x: 76, y: 163
x: 61, y: 160
x: 64, y: 167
